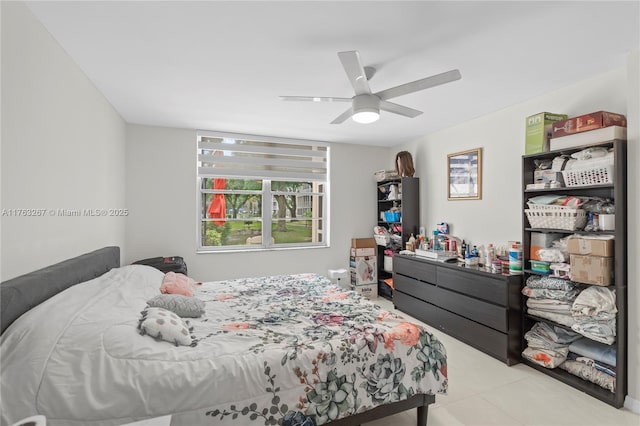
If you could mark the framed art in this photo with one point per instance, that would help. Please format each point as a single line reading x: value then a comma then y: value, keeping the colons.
x: 464, y: 175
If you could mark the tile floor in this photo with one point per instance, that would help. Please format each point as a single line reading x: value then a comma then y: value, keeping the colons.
x: 484, y: 391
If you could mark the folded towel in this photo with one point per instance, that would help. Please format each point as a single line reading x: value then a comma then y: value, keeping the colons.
x: 550, y: 336
x: 550, y: 305
x: 551, y: 283
x: 600, y: 366
x: 604, y: 332
x: 559, y: 318
x: 590, y: 373
x: 545, y: 293
x: 549, y: 358
x: 595, y: 350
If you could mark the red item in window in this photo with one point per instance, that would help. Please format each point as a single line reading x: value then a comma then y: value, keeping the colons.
x: 218, y: 207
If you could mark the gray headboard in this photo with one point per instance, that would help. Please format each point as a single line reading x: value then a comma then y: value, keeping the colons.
x: 22, y: 293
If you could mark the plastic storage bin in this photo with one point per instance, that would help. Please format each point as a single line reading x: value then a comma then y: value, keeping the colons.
x: 390, y: 216
x: 583, y: 177
x: 540, y: 267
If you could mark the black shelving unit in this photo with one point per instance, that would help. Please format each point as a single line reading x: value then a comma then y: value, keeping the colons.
x: 409, y: 205
x: 616, y: 191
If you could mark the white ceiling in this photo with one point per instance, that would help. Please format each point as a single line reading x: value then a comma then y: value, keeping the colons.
x: 217, y: 65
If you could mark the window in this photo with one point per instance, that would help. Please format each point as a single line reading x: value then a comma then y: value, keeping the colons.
x: 258, y: 192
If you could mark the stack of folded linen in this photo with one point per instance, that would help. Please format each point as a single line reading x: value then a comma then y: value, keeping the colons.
x: 594, y: 312
x: 551, y: 298
x: 548, y: 345
x: 592, y: 361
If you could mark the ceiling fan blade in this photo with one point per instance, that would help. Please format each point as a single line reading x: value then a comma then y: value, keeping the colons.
x: 399, y: 109
x: 355, y: 71
x: 314, y: 99
x: 414, y: 86
x: 342, y: 117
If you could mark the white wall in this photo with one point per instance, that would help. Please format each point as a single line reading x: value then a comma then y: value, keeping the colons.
x: 62, y: 148
x: 497, y: 217
x: 161, y: 197
x: 633, y: 249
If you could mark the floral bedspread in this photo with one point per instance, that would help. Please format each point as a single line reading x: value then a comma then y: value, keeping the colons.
x: 298, y: 350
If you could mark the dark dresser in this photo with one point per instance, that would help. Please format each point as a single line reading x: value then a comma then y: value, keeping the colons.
x: 474, y: 306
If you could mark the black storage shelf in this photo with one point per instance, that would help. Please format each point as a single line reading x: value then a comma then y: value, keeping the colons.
x: 408, y: 203
x: 618, y: 192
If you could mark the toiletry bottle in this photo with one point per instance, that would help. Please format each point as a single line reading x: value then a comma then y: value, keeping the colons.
x: 491, y: 253
x: 412, y: 241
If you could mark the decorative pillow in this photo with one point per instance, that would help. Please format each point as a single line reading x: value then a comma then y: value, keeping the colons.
x: 175, y: 283
x: 183, y: 306
x: 163, y: 324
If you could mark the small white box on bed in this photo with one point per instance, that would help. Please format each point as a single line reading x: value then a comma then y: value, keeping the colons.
x: 370, y: 291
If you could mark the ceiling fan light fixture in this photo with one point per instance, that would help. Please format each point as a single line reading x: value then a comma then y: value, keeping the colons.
x: 366, y: 108
x: 366, y: 116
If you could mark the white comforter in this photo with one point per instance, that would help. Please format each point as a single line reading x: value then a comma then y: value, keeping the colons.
x: 266, y: 347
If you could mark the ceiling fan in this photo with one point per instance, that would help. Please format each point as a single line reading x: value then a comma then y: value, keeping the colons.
x: 365, y: 105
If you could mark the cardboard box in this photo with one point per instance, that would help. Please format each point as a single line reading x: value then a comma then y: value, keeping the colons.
x: 370, y: 291
x: 596, y: 270
x: 363, y: 270
x: 590, y: 137
x: 541, y: 240
x: 538, y: 131
x: 590, y: 246
x: 547, y: 176
x: 363, y: 247
x: 363, y: 242
x: 363, y: 251
x: 591, y: 121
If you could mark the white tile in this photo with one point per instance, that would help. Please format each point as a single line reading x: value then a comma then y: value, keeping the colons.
x: 474, y: 410
x: 542, y: 400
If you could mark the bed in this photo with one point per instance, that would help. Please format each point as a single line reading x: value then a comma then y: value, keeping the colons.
x: 289, y: 349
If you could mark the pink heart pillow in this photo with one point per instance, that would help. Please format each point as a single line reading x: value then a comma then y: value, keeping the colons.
x: 175, y: 283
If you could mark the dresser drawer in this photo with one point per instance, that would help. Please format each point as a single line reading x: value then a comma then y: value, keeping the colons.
x: 476, y: 310
x: 414, y: 269
x: 483, y: 287
x: 486, y: 339
x: 417, y: 289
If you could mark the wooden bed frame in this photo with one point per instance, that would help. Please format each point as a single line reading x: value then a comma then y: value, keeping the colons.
x: 20, y: 294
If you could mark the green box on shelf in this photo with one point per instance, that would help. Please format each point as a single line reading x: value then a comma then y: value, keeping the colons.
x: 539, y: 129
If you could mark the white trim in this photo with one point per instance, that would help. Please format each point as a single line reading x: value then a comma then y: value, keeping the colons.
x: 263, y: 149
x: 213, y: 134
x: 211, y: 172
x: 261, y: 161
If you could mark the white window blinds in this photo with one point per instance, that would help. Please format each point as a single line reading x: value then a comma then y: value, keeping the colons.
x: 248, y: 157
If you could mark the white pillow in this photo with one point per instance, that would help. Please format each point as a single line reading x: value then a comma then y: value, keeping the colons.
x: 163, y: 324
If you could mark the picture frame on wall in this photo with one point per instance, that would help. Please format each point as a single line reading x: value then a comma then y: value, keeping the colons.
x: 464, y: 175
